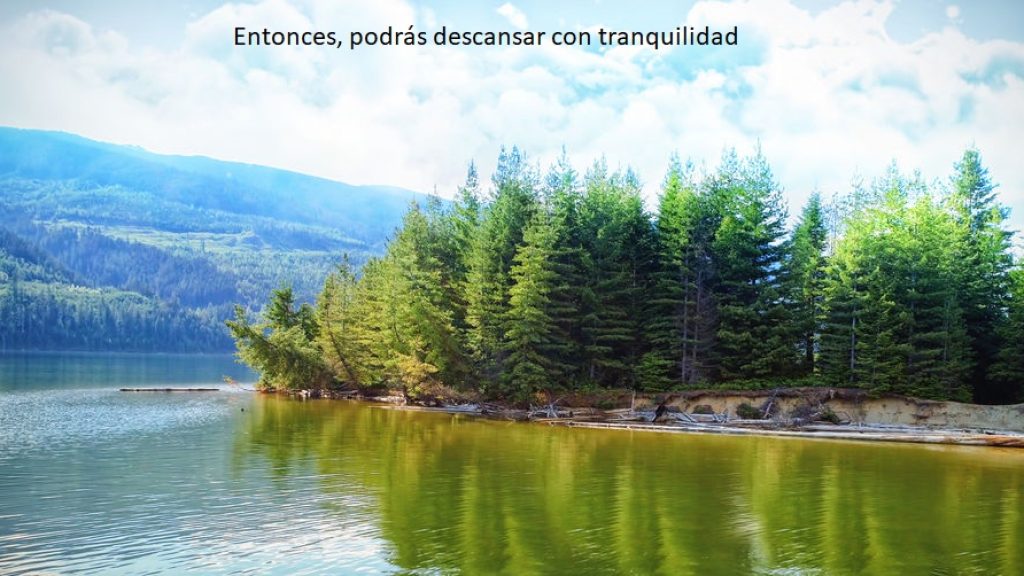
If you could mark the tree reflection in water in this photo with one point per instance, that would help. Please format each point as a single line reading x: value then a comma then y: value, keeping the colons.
x: 453, y: 493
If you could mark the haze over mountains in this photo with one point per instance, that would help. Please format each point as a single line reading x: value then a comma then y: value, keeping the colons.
x: 114, y: 248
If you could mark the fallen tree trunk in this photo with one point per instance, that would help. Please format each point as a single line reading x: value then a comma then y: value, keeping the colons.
x: 170, y: 389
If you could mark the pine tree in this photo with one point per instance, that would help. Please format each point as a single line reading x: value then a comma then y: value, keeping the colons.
x: 376, y: 332
x: 807, y: 276
x: 894, y: 320
x: 618, y: 251
x: 864, y: 343
x: 754, y: 337
x: 572, y: 284
x: 939, y: 359
x: 984, y: 260
x: 335, y: 316
x: 283, y: 347
x: 429, y: 349
x: 563, y: 199
x: 640, y: 261
x: 464, y: 223
x: 1008, y: 369
x: 843, y: 303
x: 513, y: 205
x: 532, y: 356
x: 682, y: 242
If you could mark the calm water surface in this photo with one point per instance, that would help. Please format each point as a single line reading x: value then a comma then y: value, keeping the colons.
x: 93, y: 480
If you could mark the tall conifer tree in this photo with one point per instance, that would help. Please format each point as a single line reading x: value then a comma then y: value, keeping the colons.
x: 807, y: 277
x: 984, y: 262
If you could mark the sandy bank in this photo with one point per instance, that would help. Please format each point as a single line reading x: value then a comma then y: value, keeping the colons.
x: 858, y: 407
x: 796, y: 412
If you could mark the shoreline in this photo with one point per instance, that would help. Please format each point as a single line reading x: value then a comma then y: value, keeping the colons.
x: 996, y: 439
x: 681, y: 413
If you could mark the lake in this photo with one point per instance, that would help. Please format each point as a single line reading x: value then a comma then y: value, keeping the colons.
x: 98, y: 481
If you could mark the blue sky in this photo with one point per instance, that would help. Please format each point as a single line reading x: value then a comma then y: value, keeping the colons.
x: 831, y: 90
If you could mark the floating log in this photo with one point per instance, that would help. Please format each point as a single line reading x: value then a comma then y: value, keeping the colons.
x: 170, y: 389
x: 925, y: 436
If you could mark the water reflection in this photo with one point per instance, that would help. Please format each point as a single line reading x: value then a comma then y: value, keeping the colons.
x: 25, y: 371
x: 98, y: 481
x: 454, y: 494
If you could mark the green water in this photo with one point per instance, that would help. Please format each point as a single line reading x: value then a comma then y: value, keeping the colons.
x: 97, y: 481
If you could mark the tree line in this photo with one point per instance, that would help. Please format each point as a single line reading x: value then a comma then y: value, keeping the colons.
x: 566, y: 282
x: 44, y: 316
x: 42, y: 307
x: 70, y: 286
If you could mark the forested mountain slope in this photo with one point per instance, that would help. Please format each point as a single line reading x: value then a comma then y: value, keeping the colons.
x: 99, y: 242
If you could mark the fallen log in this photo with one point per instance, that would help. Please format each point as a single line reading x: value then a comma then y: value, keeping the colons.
x: 916, y: 437
x: 169, y: 389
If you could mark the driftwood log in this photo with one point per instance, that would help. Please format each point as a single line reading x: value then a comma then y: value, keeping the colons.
x: 169, y: 389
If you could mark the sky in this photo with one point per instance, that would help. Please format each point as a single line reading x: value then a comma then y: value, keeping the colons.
x: 832, y: 91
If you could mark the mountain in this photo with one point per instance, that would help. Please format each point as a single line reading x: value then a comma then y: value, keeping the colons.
x: 99, y: 241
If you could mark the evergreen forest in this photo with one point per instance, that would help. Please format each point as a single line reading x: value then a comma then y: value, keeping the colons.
x: 112, y: 248
x: 564, y: 281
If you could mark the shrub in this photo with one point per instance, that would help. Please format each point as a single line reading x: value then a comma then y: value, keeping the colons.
x: 828, y: 415
x: 748, y: 412
x: 703, y: 409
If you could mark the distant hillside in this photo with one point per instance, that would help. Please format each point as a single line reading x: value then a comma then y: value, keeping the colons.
x: 87, y: 226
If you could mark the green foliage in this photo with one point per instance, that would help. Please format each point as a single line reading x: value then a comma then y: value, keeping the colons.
x: 529, y: 286
x: 531, y: 363
x: 514, y: 203
x: 895, y: 322
x: 680, y: 324
x: 44, y: 315
x: 618, y: 249
x: 564, y: 197
x: 983, y: 264
x: 337, y: 336
x: 747, y: 412
x: 190, y: 236
x: 807, y: 280
x: 754, y: 330
x: 1008, y: 369
x: 282, y: 348
x: 806, y: 381
x: 718, y: 306
x: 828, y: 415
x: 571, y: 286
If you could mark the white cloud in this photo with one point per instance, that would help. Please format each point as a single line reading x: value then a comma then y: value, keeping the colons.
x: 828, y: 95
x: 952, y: 12
x: 514, y: 15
